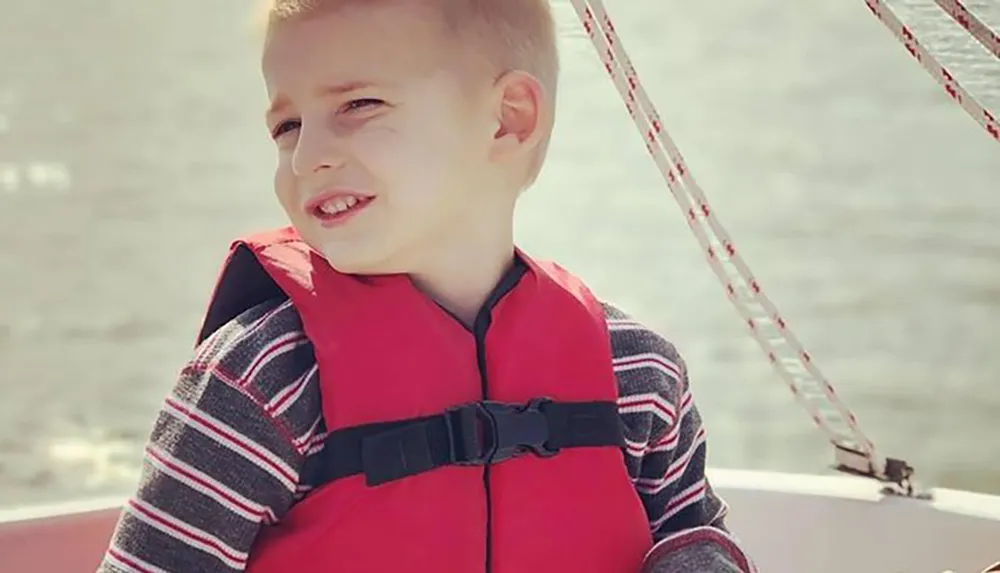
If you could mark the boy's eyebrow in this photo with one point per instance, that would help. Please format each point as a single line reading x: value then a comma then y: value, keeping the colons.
x: 281, y: 102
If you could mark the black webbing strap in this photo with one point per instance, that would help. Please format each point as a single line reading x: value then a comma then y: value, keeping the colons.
x: 472, y: 434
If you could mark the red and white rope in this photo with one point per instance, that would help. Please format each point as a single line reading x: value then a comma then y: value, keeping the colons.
x: 972, y: 24
x: 983, y: 116
x: 768, y: 328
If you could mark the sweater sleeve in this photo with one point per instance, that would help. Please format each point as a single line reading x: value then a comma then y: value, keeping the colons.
x: 225, y: 453
x: 666, y: 447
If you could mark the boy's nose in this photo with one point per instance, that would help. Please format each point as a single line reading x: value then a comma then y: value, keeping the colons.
x: 315, y: 151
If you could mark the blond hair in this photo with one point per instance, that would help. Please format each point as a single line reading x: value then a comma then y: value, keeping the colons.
x: 508, y: 35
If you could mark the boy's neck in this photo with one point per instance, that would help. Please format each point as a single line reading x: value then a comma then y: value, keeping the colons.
x: 461, y: 284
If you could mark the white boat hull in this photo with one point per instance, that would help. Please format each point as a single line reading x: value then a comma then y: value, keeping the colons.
x: 818, y: 524
x: 789, y: 523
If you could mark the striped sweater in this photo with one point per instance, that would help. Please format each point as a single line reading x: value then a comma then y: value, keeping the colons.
x: 238, y: 439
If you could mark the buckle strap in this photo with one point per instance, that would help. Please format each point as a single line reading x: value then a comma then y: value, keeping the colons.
x: 474, y: 434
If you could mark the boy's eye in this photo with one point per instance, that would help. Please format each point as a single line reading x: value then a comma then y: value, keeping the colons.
x: 361, y: 103
x: 284, y: 127
x: 351, y: 106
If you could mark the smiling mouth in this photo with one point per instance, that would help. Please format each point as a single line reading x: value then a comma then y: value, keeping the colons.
x: 338, y: 209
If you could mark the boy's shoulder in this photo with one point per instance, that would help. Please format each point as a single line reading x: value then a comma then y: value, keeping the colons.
x: 633, y: 341
x: 652, y: 377
x: 252, y: 330
x: 260, y: 351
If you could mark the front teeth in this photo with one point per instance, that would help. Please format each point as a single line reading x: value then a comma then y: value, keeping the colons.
x: 338, y: 206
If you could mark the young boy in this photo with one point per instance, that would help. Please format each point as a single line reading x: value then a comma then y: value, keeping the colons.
x: 389, y: 384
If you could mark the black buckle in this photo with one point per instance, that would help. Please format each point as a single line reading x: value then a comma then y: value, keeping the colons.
x: 490, y: 432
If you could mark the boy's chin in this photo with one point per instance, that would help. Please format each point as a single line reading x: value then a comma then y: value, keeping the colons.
x: 354, y: 261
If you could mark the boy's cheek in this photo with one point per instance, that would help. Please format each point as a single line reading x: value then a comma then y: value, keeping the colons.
x: 285, y: 188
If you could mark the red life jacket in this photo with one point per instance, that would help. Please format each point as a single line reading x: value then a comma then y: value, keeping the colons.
x: 417, y: 404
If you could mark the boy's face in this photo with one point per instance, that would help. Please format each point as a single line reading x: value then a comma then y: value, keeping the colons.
x: 383, y: 146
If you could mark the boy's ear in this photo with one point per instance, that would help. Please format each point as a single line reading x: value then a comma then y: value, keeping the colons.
x: 520, y: 113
